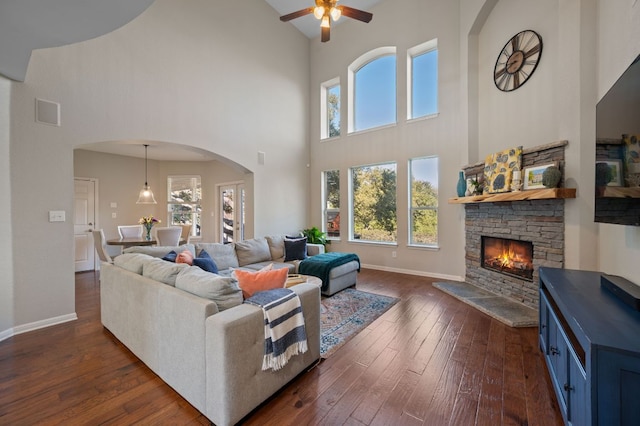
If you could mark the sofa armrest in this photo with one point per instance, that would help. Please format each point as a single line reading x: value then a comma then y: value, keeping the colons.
x: 236, y: 383
x: 313, y: 249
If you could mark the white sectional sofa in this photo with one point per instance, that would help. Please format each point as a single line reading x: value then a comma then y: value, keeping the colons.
x: 210, y: 356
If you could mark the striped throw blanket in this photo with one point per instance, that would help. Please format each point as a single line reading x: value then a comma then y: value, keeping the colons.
x: 284, y: 332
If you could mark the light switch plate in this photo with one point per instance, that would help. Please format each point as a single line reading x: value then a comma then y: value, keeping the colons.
x: 114, y: 205
x: 56, y: 216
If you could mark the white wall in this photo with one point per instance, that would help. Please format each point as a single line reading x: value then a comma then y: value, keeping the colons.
x: 618, y: 45
x: 227, y: 77
x: 556, y: 103
x: 415, y: 22
x: 6, y: 260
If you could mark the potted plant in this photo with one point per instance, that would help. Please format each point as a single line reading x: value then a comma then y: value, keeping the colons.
x: 315, y: 236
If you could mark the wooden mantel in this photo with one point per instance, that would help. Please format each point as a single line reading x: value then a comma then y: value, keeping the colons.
x: 531, y: 194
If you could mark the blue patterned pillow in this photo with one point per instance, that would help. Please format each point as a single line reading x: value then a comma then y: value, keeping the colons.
x: 170, y: 257
x: 205, y: 262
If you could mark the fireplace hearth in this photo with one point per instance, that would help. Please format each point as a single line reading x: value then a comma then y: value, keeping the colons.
x: 507, y: 256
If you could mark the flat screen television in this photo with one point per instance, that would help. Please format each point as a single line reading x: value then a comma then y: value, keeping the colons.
x: 618, y: 151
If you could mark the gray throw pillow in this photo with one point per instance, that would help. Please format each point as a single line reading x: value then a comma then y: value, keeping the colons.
x: 163, y: 271
x: 276, y: 246
x: 252, y: 251
x: 222, y: 290
x: 132, y: 261
x: 223, y: 254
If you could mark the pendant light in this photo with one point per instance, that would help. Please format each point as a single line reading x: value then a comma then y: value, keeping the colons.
x: 146, y: 195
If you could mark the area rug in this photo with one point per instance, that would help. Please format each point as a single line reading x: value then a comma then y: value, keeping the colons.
x: 346, y: 313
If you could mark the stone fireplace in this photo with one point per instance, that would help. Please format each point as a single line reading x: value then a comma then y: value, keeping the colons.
x: 530, y: 231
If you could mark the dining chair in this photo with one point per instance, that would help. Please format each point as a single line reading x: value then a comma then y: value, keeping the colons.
x: 130, y: 231
x: 100, y: 244
x: 168, y: 236
x: 186, y: 233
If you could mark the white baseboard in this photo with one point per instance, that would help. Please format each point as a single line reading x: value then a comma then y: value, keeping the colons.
x: 5, y: 334
x: 412, y: 272
x: 24, y: 328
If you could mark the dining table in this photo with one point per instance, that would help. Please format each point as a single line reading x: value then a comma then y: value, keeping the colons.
x: 136, y: 241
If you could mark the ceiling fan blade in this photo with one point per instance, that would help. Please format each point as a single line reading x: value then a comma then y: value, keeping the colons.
x: 358, y: 14
x: 325, y: 35
x: 294, y: 15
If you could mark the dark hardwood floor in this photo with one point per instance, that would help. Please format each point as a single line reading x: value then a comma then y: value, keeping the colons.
x: 428, y: 360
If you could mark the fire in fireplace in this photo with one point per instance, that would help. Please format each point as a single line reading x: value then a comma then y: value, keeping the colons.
x: 510, y: 257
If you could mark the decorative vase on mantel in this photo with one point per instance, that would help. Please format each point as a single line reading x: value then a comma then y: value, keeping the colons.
x: 462, y: 184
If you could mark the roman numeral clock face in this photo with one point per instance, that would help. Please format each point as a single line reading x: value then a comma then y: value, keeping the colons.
x: 517, y: 61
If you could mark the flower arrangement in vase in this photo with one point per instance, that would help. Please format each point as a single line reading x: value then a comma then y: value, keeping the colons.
x: 148, y: 222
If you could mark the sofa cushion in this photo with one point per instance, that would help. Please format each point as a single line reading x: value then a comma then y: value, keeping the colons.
x: 222, y: 290
x: 160, y: 251
x: 163, y: 271
x: 252, y: 251
x: 223, y: 254
x: 205, y: 262
x: 185, y: 257
x: 295, y: 249
x: 276, y: 246
x: 132, y: 261
x: 253, y: 282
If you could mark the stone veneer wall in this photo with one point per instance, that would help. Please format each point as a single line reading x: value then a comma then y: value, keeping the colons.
x: 538, y: 221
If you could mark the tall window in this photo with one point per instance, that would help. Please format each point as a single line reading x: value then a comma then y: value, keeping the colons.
x: 330, y: 119
x: 331, y: 195
x: 372, y: 90
x: 373, y: 203
x: 185, y: 196
x: 422, y: 80
x: 423, y: 193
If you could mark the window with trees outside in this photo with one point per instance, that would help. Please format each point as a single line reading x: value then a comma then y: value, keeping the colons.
x: 373, y: 203
x: 331, y: 195
x: 372, y: 90
x: 423, y: 211
x: 330, y: 117
x: 184, y: 198
x: 422, y: 80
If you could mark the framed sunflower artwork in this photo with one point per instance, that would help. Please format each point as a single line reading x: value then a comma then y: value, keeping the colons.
x: 499, y: 167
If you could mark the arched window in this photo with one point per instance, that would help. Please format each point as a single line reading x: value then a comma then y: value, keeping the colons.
x: 372, y: 90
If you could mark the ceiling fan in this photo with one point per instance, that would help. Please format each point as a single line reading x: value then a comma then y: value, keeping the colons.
x: 325, y: 10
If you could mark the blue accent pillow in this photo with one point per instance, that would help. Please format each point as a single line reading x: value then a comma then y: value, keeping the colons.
x: 205, y: 262
x: 171, y: 256
x: 295, y: 249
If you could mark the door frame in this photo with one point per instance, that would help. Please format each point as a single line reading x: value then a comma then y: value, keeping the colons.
x: 238, y: 186
x: 96, y: 214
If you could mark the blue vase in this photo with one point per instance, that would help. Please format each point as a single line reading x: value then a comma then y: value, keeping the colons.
x: 462, y: 185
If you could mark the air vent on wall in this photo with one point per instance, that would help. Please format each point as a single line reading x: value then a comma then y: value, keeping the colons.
x: 47, y: 112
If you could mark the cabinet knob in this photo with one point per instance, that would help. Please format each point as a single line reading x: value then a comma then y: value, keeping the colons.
x: 554, y: 351
x: 543, y: 326
x: 568, y: 388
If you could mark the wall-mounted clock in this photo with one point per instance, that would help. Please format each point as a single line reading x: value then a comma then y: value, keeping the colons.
x: 518, y: 60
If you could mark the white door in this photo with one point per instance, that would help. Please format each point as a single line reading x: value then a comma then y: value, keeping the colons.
x: 84, y: 218
x: 231, y: 202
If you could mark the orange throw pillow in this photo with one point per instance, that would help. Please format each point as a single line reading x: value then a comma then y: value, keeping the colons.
x: 253, y: 282
x: 185, y: 257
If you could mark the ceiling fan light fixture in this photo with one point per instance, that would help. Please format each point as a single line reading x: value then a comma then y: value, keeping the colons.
x: 335, y: 13
x: 146, y: 195
x: 325, y: 22
x: 318, y: 12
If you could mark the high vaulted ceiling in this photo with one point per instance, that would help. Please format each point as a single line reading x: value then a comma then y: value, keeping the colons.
x: 26, y: 25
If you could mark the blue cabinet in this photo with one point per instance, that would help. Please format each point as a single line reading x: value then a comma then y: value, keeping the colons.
x: 591, y: 345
